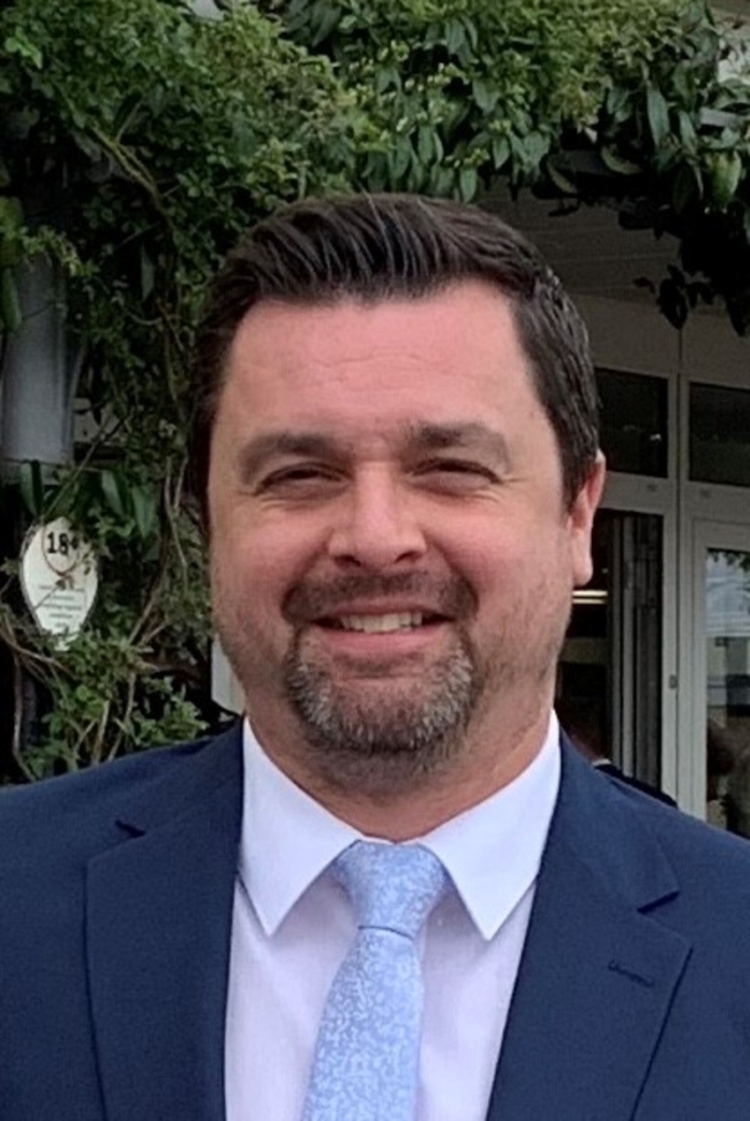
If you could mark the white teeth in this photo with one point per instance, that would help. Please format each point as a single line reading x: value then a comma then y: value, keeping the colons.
x: 372, y: 624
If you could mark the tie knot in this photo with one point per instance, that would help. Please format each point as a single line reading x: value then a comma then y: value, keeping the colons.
x: 393, y: 887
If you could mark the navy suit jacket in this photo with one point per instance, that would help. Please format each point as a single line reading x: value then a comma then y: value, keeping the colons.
x: 116, y: 887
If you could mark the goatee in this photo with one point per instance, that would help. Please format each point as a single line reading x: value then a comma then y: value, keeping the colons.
x: 371, y: 738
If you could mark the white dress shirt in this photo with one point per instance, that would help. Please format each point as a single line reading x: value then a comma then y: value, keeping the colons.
x: 293, y: 925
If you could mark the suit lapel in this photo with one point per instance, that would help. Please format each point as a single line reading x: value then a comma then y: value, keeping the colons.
x: 598, y: 974
x: 158, y: 920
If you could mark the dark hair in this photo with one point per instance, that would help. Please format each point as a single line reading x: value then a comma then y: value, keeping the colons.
x: 391, y: 246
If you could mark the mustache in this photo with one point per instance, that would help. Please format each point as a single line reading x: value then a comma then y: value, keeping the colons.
x: 311, y: 599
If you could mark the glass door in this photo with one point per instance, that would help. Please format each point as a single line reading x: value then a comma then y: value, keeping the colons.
x: 721, y: 775
x: 609, y: 681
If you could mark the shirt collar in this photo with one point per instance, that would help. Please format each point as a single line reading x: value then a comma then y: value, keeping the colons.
x: 287, y: 840
x: 491, y: 851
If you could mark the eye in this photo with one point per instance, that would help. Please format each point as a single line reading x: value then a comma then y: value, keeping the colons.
x: 299, y: 478
x: 456, y: 473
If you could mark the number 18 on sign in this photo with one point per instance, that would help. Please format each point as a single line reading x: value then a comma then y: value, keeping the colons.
x: 58, y: 578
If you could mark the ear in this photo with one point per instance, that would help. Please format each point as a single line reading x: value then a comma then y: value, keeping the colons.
x: 581, y: 520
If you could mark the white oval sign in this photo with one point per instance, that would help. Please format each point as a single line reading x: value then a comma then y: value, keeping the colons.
x: 58, y: 578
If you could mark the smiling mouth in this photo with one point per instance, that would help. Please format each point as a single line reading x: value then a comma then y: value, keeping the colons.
x: 381, y: 624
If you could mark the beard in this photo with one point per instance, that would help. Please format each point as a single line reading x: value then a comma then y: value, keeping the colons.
x: 377, y: 740
x: 379, y: 726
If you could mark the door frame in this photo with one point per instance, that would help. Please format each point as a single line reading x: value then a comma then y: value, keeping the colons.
x: 644, y: 495
x: 706, y: 534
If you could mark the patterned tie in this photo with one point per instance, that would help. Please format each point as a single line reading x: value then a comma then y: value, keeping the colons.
x: 366, y: 1065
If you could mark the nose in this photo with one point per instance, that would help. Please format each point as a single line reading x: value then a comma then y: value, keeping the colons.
x: 377, y: 524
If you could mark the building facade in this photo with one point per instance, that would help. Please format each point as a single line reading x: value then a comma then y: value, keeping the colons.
x: 659, y: 643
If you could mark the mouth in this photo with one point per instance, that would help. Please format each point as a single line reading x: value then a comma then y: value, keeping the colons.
x: 383, y: 623
x: 356, y: 612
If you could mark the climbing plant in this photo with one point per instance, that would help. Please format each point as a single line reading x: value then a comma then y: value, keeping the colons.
x: 138, y: 140
x: 638, y: 105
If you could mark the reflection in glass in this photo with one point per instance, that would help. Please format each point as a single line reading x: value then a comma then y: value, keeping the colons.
x: 728, y: 689
x: 719, y: 424
x: 633, y: 422
x: 610, y: 669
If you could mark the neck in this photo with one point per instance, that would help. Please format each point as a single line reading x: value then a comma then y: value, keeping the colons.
x: 410, y: 810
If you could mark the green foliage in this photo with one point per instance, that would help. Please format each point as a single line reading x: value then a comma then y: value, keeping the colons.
x: 626, y: 105
x: 671, y: 152
x: 153, y: 138
x: 126, y: 681
x: 461, y: 90
x: 138, y: 141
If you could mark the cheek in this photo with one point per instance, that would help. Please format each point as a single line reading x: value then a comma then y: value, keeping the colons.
x: 487, y: 561
x: 490, y: 547
x: 259, y: 560
x: 510, y: 559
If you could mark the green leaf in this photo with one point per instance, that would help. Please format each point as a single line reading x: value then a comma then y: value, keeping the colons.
x: 399, y: 159
x: 386, y: 77
x: 19, y: 44
x: 111, y: 492
x: 718, y: 118
x: 330, y: 17
x: 455, y: 36
x: 148, y: 273
x: 688, y: 135
x: 724, y: 174
x: 11, y: 253
x: 618, y: 163
x: 567, y: 186
x: 10, y: 302
x: 11, y: 215
x: 144, y: 508
x: 31, y: 486
x: 485, y: 95
x: 500, y: 151
x: 535, y: 147
x: 443, y: 181
x: 468, y: 183
x: 618, y: 102
x: 687, y: 189
x: 425, y: 143
x: 127, y: 113
x: 658, y: 115
x: 472, y: 32
x: 432, y: 35
x: 681, y: 83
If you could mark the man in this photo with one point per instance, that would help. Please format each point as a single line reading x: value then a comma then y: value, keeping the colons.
x: 397, y: 446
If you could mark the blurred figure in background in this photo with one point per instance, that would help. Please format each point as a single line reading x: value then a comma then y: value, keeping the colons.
x: 584, y: 724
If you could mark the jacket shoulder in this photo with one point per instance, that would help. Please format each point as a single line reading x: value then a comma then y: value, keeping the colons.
x: 75, y: 814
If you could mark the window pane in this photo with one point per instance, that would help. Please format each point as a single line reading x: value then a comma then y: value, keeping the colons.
x: 728, y: 689
x: 634, y: 422
x: 719, y: 427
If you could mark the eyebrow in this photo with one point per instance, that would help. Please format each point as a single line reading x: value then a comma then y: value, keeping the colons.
x: 255, y: 452
x: 469, y: 434
x: 419, y: 437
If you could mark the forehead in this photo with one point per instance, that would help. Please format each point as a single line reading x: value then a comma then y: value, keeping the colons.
x: 439, y: 338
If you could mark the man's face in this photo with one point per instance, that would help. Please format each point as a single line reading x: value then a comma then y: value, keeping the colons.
x: 392, y: 559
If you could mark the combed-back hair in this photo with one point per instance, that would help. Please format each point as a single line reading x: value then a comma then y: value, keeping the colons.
x: 396, y: 246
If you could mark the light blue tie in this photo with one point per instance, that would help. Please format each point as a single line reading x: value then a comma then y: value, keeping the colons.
x: 366, y: 1065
